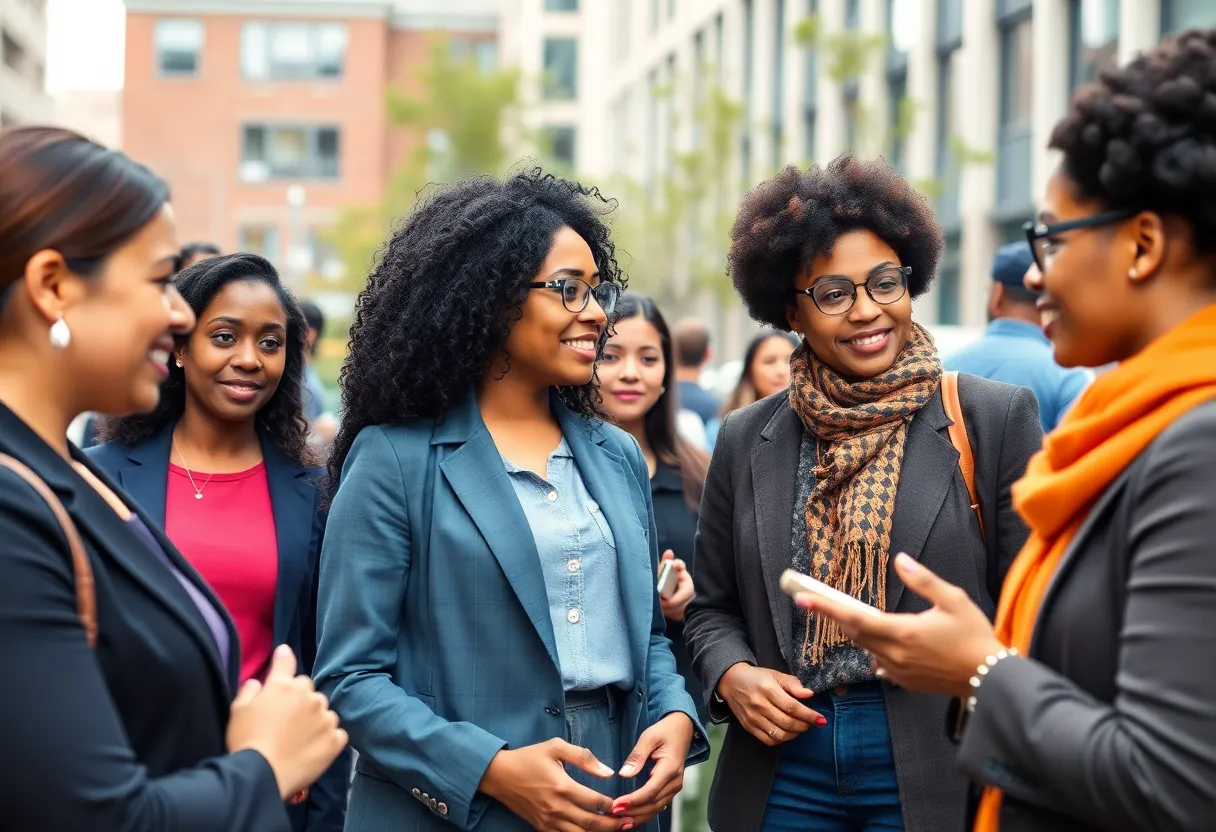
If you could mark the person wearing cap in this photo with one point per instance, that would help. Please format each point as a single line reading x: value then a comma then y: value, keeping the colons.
x: 1014, y: 349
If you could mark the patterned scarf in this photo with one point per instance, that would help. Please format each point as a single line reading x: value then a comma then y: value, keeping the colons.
x: 861, y: 428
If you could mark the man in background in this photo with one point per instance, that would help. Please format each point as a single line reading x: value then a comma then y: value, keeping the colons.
x: 192, y: 253
x: 314, y: 395
x: 1014, y: 349
x: 691, y: 346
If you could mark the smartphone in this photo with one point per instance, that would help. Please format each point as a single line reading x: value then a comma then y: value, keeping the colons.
x: 667, y: 579
x: 793, y: 582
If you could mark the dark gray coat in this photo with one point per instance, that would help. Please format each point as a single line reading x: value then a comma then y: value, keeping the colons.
x: 1112, y: 725
x: 743, y: 545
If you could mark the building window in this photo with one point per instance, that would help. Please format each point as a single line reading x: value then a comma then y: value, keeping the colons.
x: 561, y: 69
x: 293, y: 51
x: 778, y: 107
x: 1014, y: 141
x: 810, y: 93
x: 948, y: 287
x: 561, y: 5
x: 282, y: 152
x: 1017, y: 68
x: 949, y: 24
x: 897, y: 95
x: 749, y: 73
x: 852, y: 116
x: 671, y: 9
x: 655, y: 6
x: 179, y: 45
x: 622, y: 28
x: 1094, y: 39
x: 1177, y: 15
x: 945, y: 165
x: 14, y: 55
x: 482, y: 52
x: 261, y: 239
x: 852, y: 14
x: 560, y: 141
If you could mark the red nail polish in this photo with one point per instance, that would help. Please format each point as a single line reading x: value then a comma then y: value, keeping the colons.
x: 628, y: 825
x: 821, y: 721
x: 619, y: 811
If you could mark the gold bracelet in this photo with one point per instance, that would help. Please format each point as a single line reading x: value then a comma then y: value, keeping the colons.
x: 982, y: 671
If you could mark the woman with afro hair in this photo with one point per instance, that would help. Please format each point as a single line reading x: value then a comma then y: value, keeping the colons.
x: 834, y: 477
x: 489, y: 628
x: 1091, y: 705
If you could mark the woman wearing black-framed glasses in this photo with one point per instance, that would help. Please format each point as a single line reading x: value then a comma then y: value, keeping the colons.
x: 488, y: 623
x: 834, y: 478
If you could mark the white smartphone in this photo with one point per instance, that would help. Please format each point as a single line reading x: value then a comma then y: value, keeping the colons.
x: 667, y: 579
x: 793, y: 582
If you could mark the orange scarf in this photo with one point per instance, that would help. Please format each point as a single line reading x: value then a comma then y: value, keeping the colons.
x: 1114, y: 420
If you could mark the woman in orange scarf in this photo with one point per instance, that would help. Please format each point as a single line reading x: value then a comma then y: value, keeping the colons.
x: 1091, y: 705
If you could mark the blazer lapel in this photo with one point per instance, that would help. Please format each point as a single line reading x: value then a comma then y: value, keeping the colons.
x: 293, y: 502
x: 145, y: 476
x: 612, y: 486
x: 111, y: 533
x: 929, y: 466
x: 775, y: 487
x: 479, y: 479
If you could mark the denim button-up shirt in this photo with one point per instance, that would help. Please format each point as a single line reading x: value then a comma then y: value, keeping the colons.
x: 578, y: 557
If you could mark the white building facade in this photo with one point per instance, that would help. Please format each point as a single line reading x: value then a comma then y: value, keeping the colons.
x: 984, y: 81
x: 23, y: 98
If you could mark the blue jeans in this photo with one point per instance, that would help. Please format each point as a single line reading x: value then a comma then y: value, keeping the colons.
x: 593, y: 722
x: 838, y: 777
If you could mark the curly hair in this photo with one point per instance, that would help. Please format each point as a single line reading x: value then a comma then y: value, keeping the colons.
x: 283, y: 416
x: 448, y: 286
x: 1143, y: 135
x: 797, y: 215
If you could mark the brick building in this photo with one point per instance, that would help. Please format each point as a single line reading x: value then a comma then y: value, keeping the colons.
x: 267, y: 116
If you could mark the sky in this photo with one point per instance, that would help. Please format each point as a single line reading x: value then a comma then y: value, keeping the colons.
x: 84, y: 44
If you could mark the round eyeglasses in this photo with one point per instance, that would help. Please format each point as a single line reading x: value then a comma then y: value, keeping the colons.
x: 836, y: 295
x: 576, y: 293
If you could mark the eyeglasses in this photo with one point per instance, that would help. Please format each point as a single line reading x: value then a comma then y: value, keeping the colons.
x: 1043, y: 247
x: 576, y: 293
x: 836, y: 295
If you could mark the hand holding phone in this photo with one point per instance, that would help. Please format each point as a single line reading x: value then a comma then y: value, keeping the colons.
x: 668, y: 579
x: 793, y: 582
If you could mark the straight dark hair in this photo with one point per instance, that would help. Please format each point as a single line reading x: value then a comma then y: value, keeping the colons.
x: 689, y: 461
x: 61, y: 191
x: 283, y: 416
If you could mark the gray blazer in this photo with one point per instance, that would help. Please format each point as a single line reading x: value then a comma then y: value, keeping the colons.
x: 743, y: 545
x: 435, y: 644
x: 1111, y: 724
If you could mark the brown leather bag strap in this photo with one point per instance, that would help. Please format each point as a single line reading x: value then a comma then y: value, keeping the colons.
x: 86, y: 599
x: 962, y: 444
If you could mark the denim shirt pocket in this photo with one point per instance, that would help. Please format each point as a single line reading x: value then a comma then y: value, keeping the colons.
x: 601, y: 521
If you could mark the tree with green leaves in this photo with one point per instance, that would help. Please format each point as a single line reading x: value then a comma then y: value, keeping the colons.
x: 458, y: 118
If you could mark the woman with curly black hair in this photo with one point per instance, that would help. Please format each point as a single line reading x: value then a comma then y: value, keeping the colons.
x: 854, y: 464
x: 221, y: 466
x: 487, y: 602
x: 1091, y: 705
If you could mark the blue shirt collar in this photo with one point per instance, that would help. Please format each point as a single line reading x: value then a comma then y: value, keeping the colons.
x: 1013, y: 328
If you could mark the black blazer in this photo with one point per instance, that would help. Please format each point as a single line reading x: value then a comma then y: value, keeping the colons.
x: 1111, y: 723
x: 130, y: 736
x: 676, y: 524
x: 740, y: 613
x: 142, y: 470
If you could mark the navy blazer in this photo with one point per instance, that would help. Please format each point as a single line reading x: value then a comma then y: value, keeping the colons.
x: 130, y: 735
x: 142, y: 470
x: 436, y: 644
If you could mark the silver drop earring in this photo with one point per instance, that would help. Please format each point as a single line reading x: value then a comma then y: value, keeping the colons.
x: 61, y: 336
x: 179, y: 363
x: 1133, y: 273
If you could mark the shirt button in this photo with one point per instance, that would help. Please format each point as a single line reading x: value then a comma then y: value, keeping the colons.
x: 572, y: 566
x: 551, y: 496
x: 573, y: 616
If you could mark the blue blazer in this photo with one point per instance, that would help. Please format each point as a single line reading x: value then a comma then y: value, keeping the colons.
x: 435, y: 643
x: 142, y: 470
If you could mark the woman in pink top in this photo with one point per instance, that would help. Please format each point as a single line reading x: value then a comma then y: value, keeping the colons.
x: 222, y: 466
